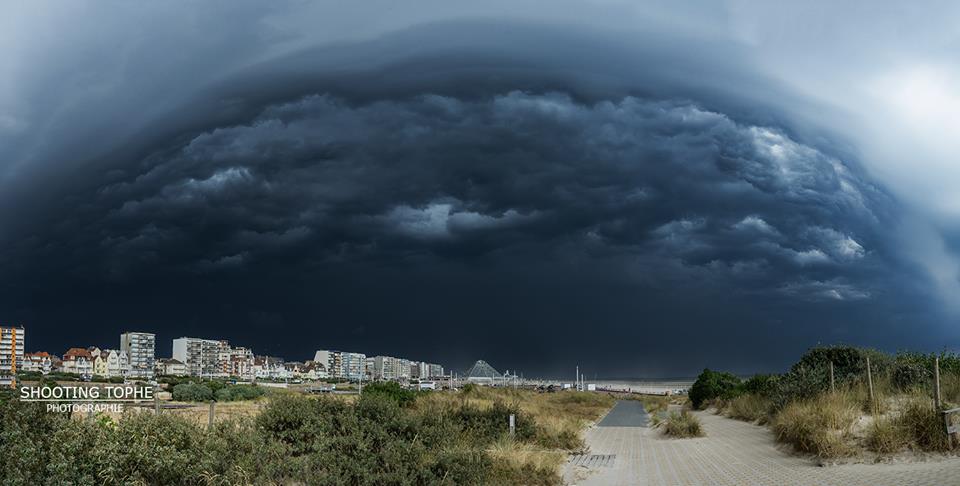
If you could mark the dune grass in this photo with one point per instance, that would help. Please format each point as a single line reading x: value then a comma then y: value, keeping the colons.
x: 821, y: 425
x: 749, y: 407
x: 682, y: 424
x: 887, y: 435
x: 560, y: 417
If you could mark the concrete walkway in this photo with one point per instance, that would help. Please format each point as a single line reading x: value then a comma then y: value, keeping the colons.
x: 732, y: 453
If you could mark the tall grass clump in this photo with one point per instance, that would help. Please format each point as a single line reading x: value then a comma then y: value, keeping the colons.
x: 820, y: 425
x: 887, y: 435
x: 924, y: 425
x: 682, y: 424
x: 750, y: 407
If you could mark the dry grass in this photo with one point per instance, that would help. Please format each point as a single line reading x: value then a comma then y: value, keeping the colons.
x: 654, y: 404
x: 924, y: 425
x: 749, y: 407
x: 887, y: 435
x: 535, y: 461
x: 560, y: 416
x: 682, y: 424
x: 821, y: 425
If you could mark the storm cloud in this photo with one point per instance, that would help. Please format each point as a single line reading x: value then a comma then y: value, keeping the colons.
x: 465, y: 190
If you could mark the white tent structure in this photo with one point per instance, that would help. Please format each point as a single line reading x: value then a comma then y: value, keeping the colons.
x: 482, y: 373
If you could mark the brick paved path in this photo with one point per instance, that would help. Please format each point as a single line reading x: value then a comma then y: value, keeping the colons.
x: 732, y: 453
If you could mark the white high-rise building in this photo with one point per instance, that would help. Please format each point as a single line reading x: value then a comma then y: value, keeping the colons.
x: 140, y: 348
x: 200, y: 356
x: 341, y: 364
x: 11, y: 354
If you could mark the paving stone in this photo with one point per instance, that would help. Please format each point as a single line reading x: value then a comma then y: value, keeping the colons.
x: 733, y: 453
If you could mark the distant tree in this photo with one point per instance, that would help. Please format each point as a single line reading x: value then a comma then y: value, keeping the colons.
x: 713, y: 384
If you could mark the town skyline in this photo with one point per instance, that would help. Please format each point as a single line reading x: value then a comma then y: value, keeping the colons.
x: 651, y: 187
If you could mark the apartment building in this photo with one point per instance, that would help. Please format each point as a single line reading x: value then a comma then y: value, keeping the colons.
x: 419, y: 369
x: 200, y: 356
x: 235, y: 361
x: 353, y: 364
x: 342, y: 364
x: 386, y: 368
x: 403, y: 371
x: 171, y: 367
x: 140, y: 348
x: 78, y: 361
x: 436, y: 371
x: 110, y: 363
x: 40, y: 362
x: 11, y: 354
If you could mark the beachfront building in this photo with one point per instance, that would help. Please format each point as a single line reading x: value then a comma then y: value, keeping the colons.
x: 236, y: 362
x: 353, y: 365
x: 200, y: 356
x: 140, y: 348
x: 110, y: 363
x: 39, y: 362
x: 11, y: 354
x: 482, y: 373
x: 419, y: 369
x: 172, y: 367
x: 435, y: 370
x: 78, y: 361
x: 342, y: 364
x: 268, y: 368
x: 385, y: 368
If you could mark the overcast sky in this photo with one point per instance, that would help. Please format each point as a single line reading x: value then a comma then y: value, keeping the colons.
x: 635, y: 187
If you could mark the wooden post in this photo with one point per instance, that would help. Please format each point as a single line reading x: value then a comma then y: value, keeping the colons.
x: 936, y: 383
x: 833, y: 387
x: 870, y: 379
x: 156, y: 404
x: 210, y: 419
x: 513, y: 425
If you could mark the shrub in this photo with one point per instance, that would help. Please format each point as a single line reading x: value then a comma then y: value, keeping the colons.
x: 490, y: 424
x: 192, y: 392
x: 239, y: 392
x: 763, y: 385
x: 393, y: 391
x: 713, y: 384
x: 819, y: 426
x: 682, y: 424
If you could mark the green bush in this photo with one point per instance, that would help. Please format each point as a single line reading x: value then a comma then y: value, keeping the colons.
x: 711, y: 385
x: 192, y: 392
x: 233, y: 393
x: 393, y: 391
x: 911, y: 375
x: 488, y: 425
x: 295, y: 440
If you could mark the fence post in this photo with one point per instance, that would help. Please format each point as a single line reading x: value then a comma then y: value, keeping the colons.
x: 156, y: 404
x: 833, y: 387
x: 936, y: 383
x: 210, y: 418
x: 870, y: 379
x: 513, y: 425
